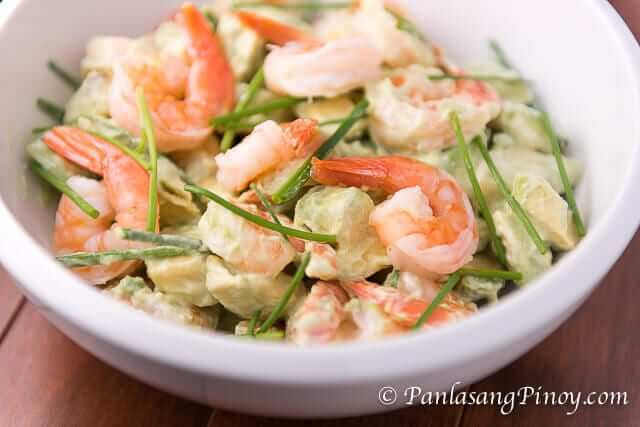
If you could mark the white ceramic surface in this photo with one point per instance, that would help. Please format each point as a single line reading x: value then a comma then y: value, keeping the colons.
x: 587, y: 69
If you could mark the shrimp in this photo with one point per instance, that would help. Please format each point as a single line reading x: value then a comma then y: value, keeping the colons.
x: 371, y: 322
x: 269, y: 145
x: 319, y: 318
x: 244, y: 245
x: 416, y: 286
x: 324, y: 260
x: 406, y: 310
x: 377, y: 21
x: 306, y: 66
x: 410, y: 111
x: 428, y: 225
x: 182, y: 96
x: 121, y: 197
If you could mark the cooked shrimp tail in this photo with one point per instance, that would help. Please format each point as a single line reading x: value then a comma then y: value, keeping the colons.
x: 305, y: 66
x: 78, y: 147
x: 351, y: 172
x: 121, y: 197
x: 211, y: 70
x: 428, y: 224
x: 268, y: 147
x: 318, y: 318
x: 183, y: 93
x: 274, y: 31
x: 407, y: 310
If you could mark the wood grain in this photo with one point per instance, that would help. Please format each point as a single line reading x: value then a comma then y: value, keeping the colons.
x: 630, y: 12
x: 10, y: 301
x: 412, y: 417
x: 596, y: 350
x: 46, y: 380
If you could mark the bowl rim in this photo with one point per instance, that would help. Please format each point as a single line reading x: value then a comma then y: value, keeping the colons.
x: 131, y: 331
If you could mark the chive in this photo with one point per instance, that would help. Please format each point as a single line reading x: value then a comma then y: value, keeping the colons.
x: 272, y: 105
x: 408, y: 27
x: 213, y: 20
x: 65, y: 189
x: 268, y: 207
x: 332, y: 122
x: 555, y: 148
x: 481, y: 201
x: 272, y: 335
x: 160, y: 239
x: 311, y: 5
x: 358, y: 112
x: 488, y: 273
x: 500, y: 56
x: 252, y: 90
x: 568, y: 189
x: 245, y: 126
x: 292, y: 186
x: 43, y: 129
x: 282, y: 304
x: 54, y: 111
x: 85, y: 259
x: 72, y: 81
x: 403, y: 24
x: 253, y: 322
x: 515, y: 205
x: 448, y: 286
x: 258, y: 220
x: 392, y: 279
x: 147, y: 134
x: 115, y: 136
x: 248, y: 126
x: 141, y: 146
x: 123, y: 147
x: 338, y: 121
x: 488, y: 78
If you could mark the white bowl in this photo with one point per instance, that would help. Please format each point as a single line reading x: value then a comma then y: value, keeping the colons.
x: 587, y: 69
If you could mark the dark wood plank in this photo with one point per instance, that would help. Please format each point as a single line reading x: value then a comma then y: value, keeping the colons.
x: 630, y: 12
x: 440, y: 416
x: 45, y: 379
x: 596, y: 350
x: 10, y: 300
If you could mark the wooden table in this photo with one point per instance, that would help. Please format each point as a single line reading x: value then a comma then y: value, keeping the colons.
x: 45, y: 379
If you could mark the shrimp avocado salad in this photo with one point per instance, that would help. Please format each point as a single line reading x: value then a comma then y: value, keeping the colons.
x: 303, y: 172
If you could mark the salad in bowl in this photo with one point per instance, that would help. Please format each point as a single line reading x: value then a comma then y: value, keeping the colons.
x: 312, y: 173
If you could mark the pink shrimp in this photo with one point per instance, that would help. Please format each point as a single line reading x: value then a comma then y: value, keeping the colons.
x: 406, y: 310
x: 428, y: 225
x: 121, y: 197
x: 410, y: 111
x: 269, y: 145
x: 183, y: 97
x: 324, y: 261
x: 318, y: 319
x: 276, y: 32
x: 306, y: 66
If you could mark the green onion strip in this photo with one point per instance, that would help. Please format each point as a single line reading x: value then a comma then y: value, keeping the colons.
x: 294, y: 184
x: 258, y: 220
x: 147, y: 134
x: 481, y: 201
x: 252, y: 90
